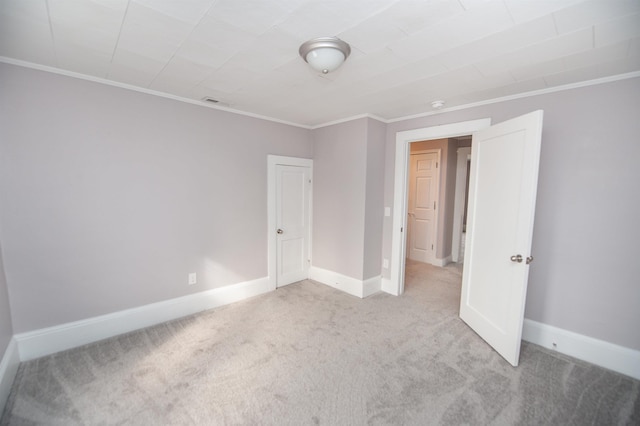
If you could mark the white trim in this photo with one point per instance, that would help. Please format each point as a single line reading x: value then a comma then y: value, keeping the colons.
x: 8, y: 369
x: 371, y: 286
x: 388, y: 287
x: 126, y: 86
x: 442, y: 261
x: 347, y: 119
x: 50, y: 340
x: 403, y: 139
x: 463, y: 156
x: 352, y: 286
x: 272, y: 162
x: 522, y: 95
x: 604, y: 354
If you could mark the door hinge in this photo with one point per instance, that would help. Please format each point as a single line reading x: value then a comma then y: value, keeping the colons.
x: 401, y: 229
x: 434, y: 205
x: 431, y: 246
x: 436, y: 164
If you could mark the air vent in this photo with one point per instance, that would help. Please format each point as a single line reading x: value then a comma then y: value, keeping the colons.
x: 210, y: 100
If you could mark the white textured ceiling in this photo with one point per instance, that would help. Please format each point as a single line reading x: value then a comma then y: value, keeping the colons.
x: 405, y: 53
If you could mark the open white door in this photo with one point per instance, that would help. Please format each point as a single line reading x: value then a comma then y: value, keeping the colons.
x: 293, y: 184
x: 502, y: 197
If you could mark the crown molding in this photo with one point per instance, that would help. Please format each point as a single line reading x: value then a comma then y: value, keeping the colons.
x: 347, y: 119
x: 522, y: 95
x: 99, y: 80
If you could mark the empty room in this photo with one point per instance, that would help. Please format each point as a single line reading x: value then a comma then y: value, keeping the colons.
x: 460, y: 248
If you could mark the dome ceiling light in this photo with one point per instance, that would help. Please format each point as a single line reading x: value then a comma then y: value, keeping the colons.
x: 325, y: 54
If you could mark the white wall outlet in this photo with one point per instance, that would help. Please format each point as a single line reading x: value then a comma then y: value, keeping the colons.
x: 192, y: 278
x: 385, y: 263
x: 387, y: 211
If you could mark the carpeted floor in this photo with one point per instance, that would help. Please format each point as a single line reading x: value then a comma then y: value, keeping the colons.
x: 307, y: 354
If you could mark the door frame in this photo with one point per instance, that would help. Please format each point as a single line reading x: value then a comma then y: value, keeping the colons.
x: 464, y: 156
x: 436, y: 219
x: 272, y: 162
x: 403, y: 139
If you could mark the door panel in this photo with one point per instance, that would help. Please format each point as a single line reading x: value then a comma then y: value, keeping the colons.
x: 423, y: 193
x: 502, y: 194
x: 292, y: 222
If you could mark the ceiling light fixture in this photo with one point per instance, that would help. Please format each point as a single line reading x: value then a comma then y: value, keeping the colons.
x: 437, y: 104
x: 325, y: 54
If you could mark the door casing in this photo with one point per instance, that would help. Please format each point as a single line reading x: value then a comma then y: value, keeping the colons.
x: 464, y: 156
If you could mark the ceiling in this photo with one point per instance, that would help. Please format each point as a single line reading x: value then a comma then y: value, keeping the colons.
x: 405, y: 53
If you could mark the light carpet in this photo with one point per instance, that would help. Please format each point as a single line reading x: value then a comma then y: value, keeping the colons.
x: 308, y: 354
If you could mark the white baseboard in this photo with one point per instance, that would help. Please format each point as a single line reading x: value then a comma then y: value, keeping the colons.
x: 8, y: 368
x: 352, y: 286
x: 371, y: 286
x: 50, y: 340
x: 598, y: 352
x: 387, y: 287
x: 442, y: 262
x: 333, y: 279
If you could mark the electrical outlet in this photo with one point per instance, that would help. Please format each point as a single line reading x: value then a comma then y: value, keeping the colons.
x: 385, y: 263
x: 192, y: 278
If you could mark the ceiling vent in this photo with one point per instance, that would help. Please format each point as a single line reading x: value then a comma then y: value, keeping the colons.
x: 210, y: 100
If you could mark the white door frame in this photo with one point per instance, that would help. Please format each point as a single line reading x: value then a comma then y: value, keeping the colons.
x: 272, y: 162
x: 464, y: 156
x: 403, y: 139
x: 436, y: 213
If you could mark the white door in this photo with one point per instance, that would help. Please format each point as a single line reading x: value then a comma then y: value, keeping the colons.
x: 502, y: 196
x: 423, y: 195
x: 293, y: 185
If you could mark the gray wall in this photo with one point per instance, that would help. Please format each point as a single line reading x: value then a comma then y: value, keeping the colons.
x: 6, y: 328
x: 339, y: 193
x: 586, y: 274
x: 374, y: 203
x: 109, y: 197
x: 348, y: 197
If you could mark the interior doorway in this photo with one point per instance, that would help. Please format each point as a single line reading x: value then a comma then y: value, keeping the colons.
x: 289, y: 202
x: 505, y: 161
x: 403, y: 142
x: 437, y: 185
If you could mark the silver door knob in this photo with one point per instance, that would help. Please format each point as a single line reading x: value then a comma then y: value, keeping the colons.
x: 280, y: 231
x: 517, y: 258
x: 529, y: 259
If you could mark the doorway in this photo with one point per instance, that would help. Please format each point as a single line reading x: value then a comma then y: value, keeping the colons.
x: 289, y: 202
x: 403, y: 141
x: 505, y: 162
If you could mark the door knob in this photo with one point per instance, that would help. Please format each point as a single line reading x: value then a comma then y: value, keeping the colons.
x: 529, y: 259
x: 517, y: 258
x: 280, y: 231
